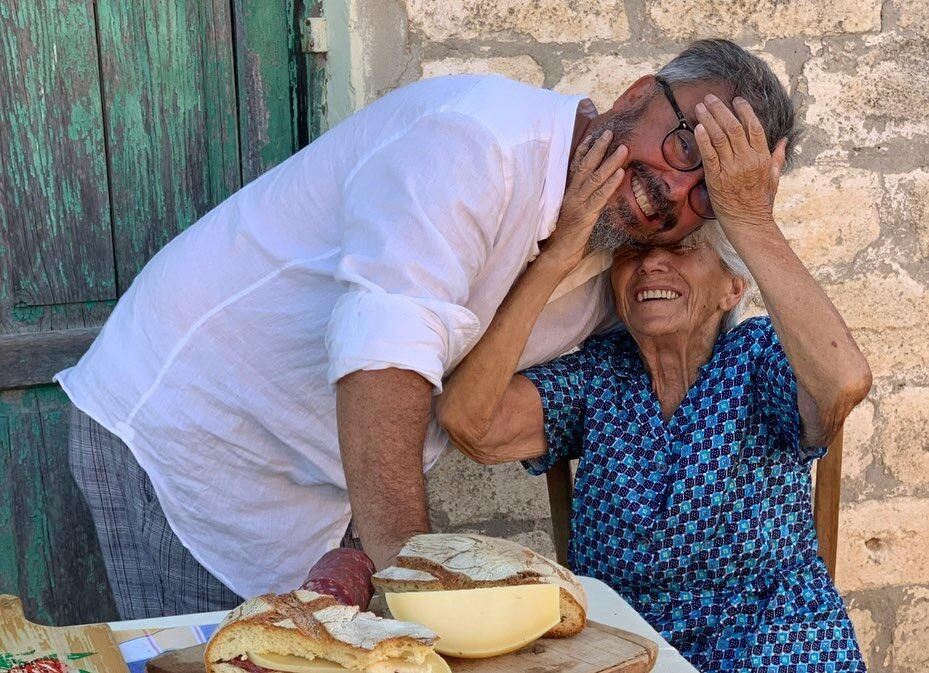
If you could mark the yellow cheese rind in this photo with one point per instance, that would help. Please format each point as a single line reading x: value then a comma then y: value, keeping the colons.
x: 479, y: 623
x: 288, y: 663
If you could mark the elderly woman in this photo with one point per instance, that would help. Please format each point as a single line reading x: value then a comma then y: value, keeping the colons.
x: 695, y: 433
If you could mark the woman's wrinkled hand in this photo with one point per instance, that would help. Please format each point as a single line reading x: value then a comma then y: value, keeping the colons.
x: 594, y: 178
x: 741, y: 173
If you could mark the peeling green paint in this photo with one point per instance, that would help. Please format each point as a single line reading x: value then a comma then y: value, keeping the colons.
x: 94, y: 195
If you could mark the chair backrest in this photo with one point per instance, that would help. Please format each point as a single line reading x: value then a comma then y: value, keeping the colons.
x: 825, y: 504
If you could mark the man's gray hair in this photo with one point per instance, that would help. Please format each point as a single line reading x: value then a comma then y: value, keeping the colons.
x: 745, y: 75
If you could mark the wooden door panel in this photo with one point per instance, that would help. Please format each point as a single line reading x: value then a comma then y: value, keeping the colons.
x: 267, y: 58
x: 172, y: 138
x: 121, y: 123
x: 55, y: 244
x: 49, y: 554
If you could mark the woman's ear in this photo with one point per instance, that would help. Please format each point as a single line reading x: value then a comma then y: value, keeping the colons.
x: 735, y: 288
x: 637, y: 94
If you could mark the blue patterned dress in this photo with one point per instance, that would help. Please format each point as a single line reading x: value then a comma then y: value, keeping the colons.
x: 702, y: 523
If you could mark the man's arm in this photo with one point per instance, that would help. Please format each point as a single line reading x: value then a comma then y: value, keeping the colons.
x: 382, y: 419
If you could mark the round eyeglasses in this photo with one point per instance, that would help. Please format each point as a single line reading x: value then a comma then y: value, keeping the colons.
x: 679, y: 148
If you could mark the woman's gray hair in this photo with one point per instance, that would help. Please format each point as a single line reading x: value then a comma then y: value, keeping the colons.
x: 713, y: 236
x: 745, y: 75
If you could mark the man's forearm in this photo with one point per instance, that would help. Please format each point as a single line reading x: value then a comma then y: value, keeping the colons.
x: 382, y: 420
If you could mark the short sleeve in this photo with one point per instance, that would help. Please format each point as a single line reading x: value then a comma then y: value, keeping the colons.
x: 562, y: 385
x: 777, y: 394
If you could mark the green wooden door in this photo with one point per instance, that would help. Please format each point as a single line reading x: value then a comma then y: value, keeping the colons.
x: 121, y: 123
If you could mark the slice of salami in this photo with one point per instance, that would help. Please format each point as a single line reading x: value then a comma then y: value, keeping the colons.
x: 247, y: 665
x: 344, y: 574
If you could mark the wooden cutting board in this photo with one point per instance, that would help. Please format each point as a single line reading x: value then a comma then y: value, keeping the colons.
x: 31, y: 648
x: 596, y: 649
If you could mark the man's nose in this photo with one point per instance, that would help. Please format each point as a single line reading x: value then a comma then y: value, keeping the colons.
x: 680, y: 183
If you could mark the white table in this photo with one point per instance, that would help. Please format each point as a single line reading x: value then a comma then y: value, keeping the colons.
x: 608, y: 607
x: 605, y: 606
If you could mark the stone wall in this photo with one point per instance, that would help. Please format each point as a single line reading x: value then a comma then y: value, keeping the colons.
x: 856, y: 209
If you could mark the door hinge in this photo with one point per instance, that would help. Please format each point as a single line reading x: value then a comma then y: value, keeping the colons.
x: 315, y: 38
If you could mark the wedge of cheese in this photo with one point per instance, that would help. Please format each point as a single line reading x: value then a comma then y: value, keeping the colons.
x: 478, y: 623
x: 288, y: 663
x: 446, y: 562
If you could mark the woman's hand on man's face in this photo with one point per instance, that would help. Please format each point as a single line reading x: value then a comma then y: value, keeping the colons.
x: 741, y: 173
x: 595, y: 176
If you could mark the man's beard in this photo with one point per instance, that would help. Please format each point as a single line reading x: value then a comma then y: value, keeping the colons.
x: 611, y: 230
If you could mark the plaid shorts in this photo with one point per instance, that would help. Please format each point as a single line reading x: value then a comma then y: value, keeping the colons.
x: 151, y: 573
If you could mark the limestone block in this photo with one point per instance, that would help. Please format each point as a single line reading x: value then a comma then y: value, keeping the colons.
x: 913, y: 14
x: 909, y: 199
x: 522, y: 68
x: 857, y: 453
x: 462, y: 492
x: 911, y: 636
x: 512, y: 20
x: 538, y: 541
x: 767, y: 18
x: 887, y: 315
x: 829, y: 214
x: 883, y: 543
x: 865, y: 628
x: 875, y: 302
x: 605, y: 78
x: 871, y: 97
x: 906, y: 440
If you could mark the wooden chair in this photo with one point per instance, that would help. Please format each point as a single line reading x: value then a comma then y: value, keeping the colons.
x: 825, y: 504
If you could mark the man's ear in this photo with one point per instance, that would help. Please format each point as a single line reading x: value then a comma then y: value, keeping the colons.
x: 736, y: 288
x: 637, y: 94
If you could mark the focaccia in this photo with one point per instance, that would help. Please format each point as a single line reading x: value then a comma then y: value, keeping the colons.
x: 313, y: 626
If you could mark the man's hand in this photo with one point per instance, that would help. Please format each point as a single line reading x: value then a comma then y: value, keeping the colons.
x: 593, y: 181
x: 741, y: 173
x: 382, y: 419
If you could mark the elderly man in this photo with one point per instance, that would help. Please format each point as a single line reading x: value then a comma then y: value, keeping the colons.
x: 269, y: 375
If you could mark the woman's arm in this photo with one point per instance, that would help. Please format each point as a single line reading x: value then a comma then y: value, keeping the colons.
x: 742, y: 177
x: 491, y: 415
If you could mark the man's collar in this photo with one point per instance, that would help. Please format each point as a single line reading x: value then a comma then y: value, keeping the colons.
x: 593, y: 264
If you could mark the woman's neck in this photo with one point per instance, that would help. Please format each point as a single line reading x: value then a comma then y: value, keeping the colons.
x: 673, y: 361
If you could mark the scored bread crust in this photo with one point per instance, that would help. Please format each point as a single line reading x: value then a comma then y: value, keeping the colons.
x: 306, y: 624
x: 449, y: 561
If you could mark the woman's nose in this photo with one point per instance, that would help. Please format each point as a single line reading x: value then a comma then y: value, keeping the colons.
x: 654, y: 260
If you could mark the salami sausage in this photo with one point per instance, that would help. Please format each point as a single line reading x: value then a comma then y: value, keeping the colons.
x: 247, y: 665
x: 344, y: 574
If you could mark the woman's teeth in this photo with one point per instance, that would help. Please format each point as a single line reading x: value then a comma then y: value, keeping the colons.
x: 641, y: 197
x: 656, y: 294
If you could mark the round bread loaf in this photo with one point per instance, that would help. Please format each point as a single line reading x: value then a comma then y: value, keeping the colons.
x: 448, y: 561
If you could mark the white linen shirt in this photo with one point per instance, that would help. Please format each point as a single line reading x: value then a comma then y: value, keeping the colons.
x: 388, y: 242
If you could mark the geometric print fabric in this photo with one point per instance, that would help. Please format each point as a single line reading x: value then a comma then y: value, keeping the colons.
x: 703, y: 523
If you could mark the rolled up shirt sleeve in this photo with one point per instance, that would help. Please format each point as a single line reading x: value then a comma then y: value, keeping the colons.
x: 419, y: 219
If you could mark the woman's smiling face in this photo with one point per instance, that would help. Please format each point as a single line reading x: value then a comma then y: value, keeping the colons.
x: 677, y: 289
